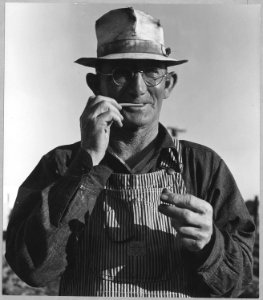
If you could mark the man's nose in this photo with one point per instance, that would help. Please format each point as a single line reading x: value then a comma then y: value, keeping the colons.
x: 137, y: 85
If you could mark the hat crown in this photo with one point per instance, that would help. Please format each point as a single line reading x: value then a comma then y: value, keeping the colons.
x: 128, y: 33
x: 128, y: 24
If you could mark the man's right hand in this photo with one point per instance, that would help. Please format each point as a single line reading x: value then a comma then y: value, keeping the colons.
x: 95, y: 122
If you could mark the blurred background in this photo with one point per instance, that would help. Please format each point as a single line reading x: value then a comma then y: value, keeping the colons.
x: 215, y: 103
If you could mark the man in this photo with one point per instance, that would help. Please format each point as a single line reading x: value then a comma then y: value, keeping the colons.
x: 127, y: 211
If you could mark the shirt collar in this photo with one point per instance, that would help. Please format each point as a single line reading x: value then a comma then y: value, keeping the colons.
x: 165, y: 139
x: 169, y: 151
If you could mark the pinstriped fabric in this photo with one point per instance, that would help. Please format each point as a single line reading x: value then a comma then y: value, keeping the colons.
x: 151, y: 180
x: 129, y: 249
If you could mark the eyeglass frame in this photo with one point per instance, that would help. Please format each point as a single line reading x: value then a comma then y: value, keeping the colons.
x: 133, y: 72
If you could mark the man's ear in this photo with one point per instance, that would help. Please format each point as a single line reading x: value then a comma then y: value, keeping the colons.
x: 93, y: 83
x: 170, y: 82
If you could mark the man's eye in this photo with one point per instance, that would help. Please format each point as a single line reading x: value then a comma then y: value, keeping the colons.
x: 119, y: 73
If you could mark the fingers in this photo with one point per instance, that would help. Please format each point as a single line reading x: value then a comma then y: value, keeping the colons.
x: 101, y: 104
x: 191, y: 217
x: 97, y: 99
x: 108, y: 117
x: 186, y: 217
x: 192, y: 238
x: 188, y: 231
x: 186, y: 209
x: 95, y: 124
x: 102, y: 109
x: 181, y: 215
x: 186, y: 201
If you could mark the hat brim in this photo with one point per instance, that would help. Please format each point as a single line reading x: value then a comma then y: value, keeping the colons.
x: 93, y: 61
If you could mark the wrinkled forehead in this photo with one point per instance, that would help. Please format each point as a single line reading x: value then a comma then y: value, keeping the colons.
x: 107, y: 66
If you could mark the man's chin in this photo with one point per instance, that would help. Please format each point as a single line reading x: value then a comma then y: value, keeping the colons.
x: 131, y: 125
x: 135, y: 124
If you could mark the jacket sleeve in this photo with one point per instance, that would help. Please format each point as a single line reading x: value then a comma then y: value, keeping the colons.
x: 47, y: 202
x: 225, y: 269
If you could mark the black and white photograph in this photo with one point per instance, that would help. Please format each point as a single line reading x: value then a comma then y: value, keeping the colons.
x: 131, y: 153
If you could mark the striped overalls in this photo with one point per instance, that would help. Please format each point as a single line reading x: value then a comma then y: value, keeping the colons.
x: 128, y: 248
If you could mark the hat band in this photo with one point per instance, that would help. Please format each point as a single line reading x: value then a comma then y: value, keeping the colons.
x: 132, y: 46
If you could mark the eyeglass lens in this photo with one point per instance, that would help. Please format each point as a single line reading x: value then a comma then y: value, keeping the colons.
x: 151, y: 76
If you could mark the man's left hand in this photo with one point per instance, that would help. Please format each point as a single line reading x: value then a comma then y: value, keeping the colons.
x: 190, y: 216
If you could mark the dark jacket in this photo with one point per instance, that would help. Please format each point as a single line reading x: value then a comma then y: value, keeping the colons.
x: 41, y: 220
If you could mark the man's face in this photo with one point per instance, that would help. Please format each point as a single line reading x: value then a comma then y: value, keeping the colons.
x: 135, y: 90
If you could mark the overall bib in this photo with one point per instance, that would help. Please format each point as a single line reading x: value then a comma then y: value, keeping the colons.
x: 128, y: 248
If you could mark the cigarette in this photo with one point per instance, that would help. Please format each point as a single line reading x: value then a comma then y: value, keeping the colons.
x: 131, y: 104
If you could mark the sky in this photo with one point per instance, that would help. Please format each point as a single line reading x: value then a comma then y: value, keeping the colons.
x: 216, y: 99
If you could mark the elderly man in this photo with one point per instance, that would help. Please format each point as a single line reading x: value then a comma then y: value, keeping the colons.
x: 129, y: 211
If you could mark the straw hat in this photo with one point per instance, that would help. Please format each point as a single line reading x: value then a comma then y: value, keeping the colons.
x: 127, y: 33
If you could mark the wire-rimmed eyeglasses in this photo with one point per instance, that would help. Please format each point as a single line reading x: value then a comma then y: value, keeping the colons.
x: 122, y: 76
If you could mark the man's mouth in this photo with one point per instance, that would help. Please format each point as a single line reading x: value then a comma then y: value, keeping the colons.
x: 132, y: 104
